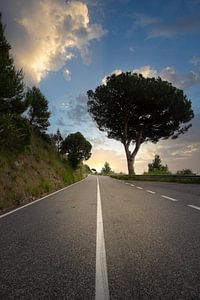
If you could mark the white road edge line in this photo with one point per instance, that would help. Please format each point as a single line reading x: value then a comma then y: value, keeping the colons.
x: 101, y: 284
x: 40, y: 199
x: 194, y: 206
x: 139, y: 187
x: 169, y: 198
x: 151, y: 192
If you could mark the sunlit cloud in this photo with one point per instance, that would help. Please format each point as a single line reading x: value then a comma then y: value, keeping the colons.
x: 116, y: 72
x: 48, y: 33
x: 146, y: 71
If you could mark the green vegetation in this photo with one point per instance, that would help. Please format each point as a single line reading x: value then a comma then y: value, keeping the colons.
x: 77, y: 148
x: 38, y: 113
x: 15, y: 131
x: 157, y: 168
x: 185, y: 172
x: 133, y: 110
x: 40, y: 170
x: 106, y: 170
x: 161, y: 178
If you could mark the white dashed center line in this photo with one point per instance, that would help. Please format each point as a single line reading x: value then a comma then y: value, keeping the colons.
x: 139, y: 187
x: 169, y: 198
x: 132, y: 185
x: 151, y: 192
x: 194, y: 206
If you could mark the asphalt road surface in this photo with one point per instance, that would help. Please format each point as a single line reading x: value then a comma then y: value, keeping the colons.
x: 104, y: 239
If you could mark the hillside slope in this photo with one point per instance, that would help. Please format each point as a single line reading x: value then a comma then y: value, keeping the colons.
x: 38, y: 171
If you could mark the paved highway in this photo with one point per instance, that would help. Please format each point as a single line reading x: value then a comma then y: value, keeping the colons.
x: 104, y: 239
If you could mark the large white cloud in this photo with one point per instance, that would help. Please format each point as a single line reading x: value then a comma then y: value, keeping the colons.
x: 48, y: 32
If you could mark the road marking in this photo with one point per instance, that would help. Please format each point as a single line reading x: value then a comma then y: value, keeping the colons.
x: 127, y: 183
x: 151, y: 192
x: 169, y: 198
x: 40, y: 199
x: 139, y: 187
x: 101, y: 285
x: 194, y: 206
x: 132, y: 185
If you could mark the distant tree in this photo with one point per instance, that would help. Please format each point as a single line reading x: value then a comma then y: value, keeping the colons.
x: 133, y: 110
x: 11, y: 80
x: 156, y: 167
x: 185, y: 172
x: 38, y: 113
x: 106, y: 169
x: 57, y: 139
x: 77, y: 148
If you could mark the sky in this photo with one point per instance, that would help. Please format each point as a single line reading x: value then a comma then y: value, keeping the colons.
x: 69, y: 47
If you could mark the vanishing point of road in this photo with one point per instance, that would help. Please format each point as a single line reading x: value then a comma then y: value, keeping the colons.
x: 104, y: 239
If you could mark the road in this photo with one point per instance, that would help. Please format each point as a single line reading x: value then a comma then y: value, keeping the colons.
x: 104, y: 239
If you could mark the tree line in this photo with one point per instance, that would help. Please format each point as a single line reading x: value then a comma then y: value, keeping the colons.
x: 154, y: 168
x: 24, y: 110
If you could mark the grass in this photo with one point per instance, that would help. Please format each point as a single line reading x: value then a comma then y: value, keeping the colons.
x: 160, y: 178
x: 38, y: 171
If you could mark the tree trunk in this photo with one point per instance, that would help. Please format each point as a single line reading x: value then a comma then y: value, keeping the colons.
x: 130, y: 163
x: 130, y: 160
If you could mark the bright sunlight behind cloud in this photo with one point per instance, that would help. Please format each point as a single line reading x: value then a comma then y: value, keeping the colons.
x: 50, y: 32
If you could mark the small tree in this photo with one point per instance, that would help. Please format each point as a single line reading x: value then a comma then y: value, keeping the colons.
x: 106, y: 169
x: 156, y: 167
x: 57, y: 139
x: 38, y: 113
x: 133, y: 110
x: 11, y: 80
x: 77, y: 148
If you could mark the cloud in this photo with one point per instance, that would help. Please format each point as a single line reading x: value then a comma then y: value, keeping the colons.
x: 146, y: 71
x: 60, y: 122
x: 195, y: 61
x: 131, y: 49
x: 177, y: 154
x: 182, y: 81
x: 67, y: 74
x: 157, y: 28
x: 179, y: 27
x: 77, y: 111
x: 144, y: 20
x: 48, y: 32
